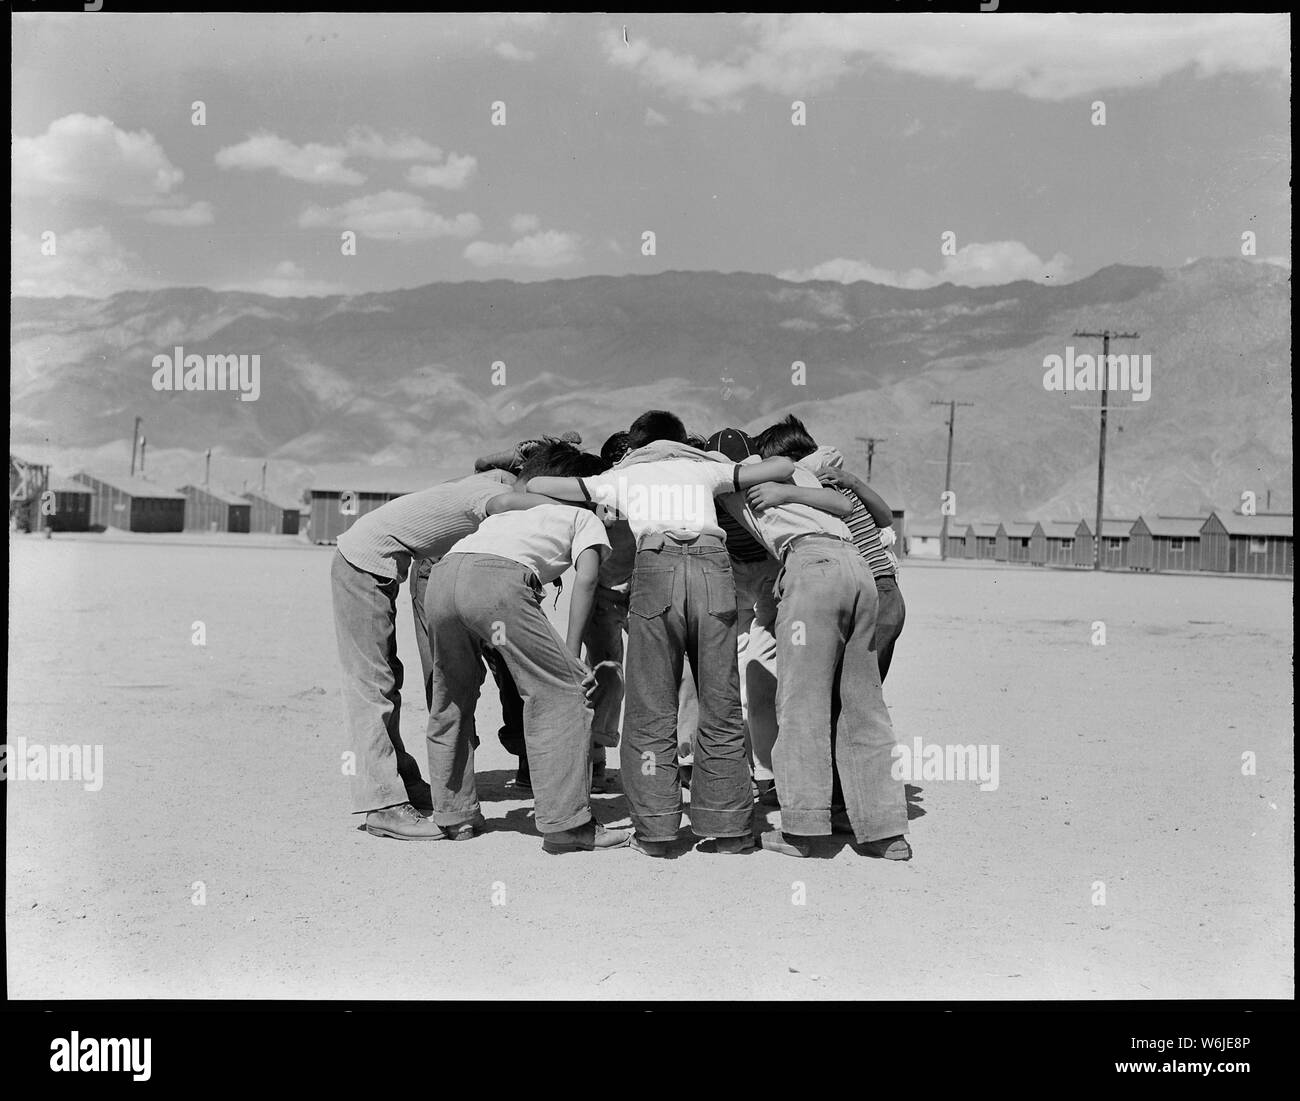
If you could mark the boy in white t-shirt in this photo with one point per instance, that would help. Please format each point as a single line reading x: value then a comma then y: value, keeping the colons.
x: 487, y: 591
x: 682, y: 606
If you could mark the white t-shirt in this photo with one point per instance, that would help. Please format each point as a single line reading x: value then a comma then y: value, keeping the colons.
x: 547, y: 539
x: 775, y: 527
x: 673, y: 496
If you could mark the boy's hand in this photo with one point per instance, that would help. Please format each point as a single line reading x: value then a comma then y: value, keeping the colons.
x: 835, y: 479
x: 600, y: 680
x: 766, y: 495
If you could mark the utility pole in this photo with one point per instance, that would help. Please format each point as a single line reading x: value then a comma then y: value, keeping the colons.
x: 871, y: 442
x: 207, y: 466
x: 135, y: 442
x: 264, y: 478
x: 1103, y: 378
x: 143, y: 444
x: 947, y: 477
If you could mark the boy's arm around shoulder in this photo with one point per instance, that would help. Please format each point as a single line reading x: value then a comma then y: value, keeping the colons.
x: 513, y: 500
x: 777, y: 469
x: 560, y: 489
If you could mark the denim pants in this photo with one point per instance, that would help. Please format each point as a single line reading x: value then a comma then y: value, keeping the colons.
x: 759, y: 665
x: 825, y: 626
x: 481, y: 599
x: 511, y: 731
x: 683, y: 607
x: 889, y: 621
x: 757, y: 688
x: 603, y: 639
x: 365, y: 623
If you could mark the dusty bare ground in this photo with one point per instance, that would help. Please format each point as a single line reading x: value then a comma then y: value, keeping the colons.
x: 1119, y: 764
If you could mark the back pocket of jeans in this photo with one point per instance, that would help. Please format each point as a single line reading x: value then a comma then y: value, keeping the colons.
x: 720, y: 591
x: 651, y: 592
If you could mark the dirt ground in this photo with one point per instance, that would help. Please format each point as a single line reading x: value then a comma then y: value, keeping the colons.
x: 1119, y: 765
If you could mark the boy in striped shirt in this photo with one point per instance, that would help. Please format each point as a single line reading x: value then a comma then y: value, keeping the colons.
x: 824, y: 627
x: 870, y: 516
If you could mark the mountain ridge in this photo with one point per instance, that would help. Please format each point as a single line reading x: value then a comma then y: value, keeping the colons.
x: 407, y: 376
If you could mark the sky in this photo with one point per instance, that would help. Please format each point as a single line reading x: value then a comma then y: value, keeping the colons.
x: 344, y: 154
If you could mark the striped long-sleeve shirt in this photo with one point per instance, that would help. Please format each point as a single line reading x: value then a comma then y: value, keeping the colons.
x: 866, y: 537
x: 420, y: 525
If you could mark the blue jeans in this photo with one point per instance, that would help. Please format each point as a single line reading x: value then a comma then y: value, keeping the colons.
x: 825, y: 627
x: 889, y: 621
x: 481, y: 599
x: 511, y: 731
x: 682, y: 606
x: 365, y: 624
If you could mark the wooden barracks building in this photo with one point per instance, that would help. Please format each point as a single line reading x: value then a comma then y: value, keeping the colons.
x: 981, y: 540
x: 1052, y: 543
x: 208, y: 509
x: 71, y: 505
x: 1260, y: 544
x: 133, y: 504
x: 1013, y: 541
x: 1164, y: 543
x: 340, y: 493
x: 271, y: 517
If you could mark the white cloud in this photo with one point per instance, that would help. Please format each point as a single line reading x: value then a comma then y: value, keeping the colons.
x: 524, y: 223
x: 312, y: 163
x: 87, y: 262
x: 511, y: 52
x: 390, y: 216
x: 984, y: 264
x: 196, y: 214
x: 654, y: 118
x: 287, y: 280
x: 85, y: 157
x: 1042, y: 56
x: 843, y: 270
x: 451, y: 176
x: 364, y: 142
x: 318, y: 163
x: 548, y: 249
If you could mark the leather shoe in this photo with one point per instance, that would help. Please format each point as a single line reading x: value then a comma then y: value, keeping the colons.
x: 589, y: 837
x: 403, y: 822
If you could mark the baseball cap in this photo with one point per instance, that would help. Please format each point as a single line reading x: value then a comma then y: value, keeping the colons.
x: 733, y: 443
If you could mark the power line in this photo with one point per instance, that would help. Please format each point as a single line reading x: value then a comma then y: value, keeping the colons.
x: 1106, y: 337
x: 135, y: 443
x: 947, y: 476
x: 871, y: 442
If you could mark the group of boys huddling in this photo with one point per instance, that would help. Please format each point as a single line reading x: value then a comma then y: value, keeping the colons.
x: 750, y: 573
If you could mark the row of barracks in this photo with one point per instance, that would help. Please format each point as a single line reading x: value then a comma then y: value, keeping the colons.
x: 1222, y: 542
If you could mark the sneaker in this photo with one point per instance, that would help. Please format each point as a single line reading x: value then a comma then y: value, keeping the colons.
x: 522, y: 784
x: 888, y: 848
x: 404, y: 823
x: 589, y: 837
x: 788, y: 844
x: 766, y: 792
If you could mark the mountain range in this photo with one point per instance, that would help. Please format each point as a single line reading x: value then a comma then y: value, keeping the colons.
x: 434, y: 375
